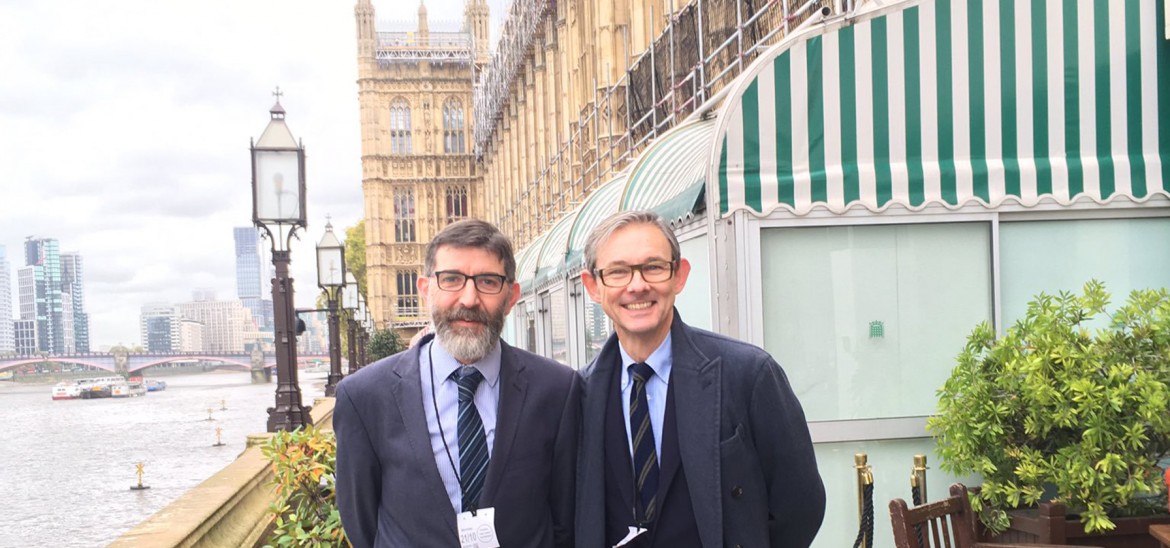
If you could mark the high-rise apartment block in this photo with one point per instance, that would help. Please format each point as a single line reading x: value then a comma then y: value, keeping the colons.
x: 252, y: 276
x: 73, y: 298
x: 225, y: 323
x: 25, y: 334
x: 7, y: 333
x: 51, y: 292
x: 159, y: 326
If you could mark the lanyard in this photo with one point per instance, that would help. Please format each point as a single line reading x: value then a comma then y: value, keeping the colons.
x: 439, y: 417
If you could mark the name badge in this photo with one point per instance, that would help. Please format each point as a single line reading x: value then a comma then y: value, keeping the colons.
x: 633, y: 534
x: 478, y: 529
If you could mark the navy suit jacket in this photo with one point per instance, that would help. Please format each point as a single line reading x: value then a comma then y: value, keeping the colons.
x: 389, y: 490
x: 744, y: 445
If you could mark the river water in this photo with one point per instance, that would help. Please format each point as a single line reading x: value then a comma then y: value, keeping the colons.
x: 66, y: 467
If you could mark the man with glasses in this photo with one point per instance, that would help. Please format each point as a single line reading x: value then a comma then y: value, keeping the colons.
x: 462, y: 437
x: 689, y: 438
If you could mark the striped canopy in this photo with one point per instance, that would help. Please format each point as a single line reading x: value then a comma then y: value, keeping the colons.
x: 952, y: 102
x: 669, y: 176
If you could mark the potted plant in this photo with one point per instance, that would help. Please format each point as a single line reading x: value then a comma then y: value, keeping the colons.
x: 1069, y: 406
x: 305, y: 509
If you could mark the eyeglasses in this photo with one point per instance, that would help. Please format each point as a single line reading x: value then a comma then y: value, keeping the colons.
x: 453, y: 280
x: 622, y: 275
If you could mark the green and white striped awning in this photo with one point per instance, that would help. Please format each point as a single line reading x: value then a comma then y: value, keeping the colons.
x: 556, y: 247
x: 526, y: 261
x: 952, y: 102
x: 602, y: 203
x: 669, y: 176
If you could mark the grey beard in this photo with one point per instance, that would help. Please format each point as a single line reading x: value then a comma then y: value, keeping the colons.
x: 465, y: 346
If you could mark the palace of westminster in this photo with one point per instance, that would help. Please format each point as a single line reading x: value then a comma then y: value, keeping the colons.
x: 520, y: 131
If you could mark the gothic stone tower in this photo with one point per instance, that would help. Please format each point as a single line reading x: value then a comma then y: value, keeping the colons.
x: 418, y: 169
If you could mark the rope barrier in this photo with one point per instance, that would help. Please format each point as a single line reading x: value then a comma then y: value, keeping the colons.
x: 864, y: 502
x: 865, y: 530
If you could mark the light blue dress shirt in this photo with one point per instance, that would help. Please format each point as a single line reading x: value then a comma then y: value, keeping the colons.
x: 656, y: 388
x: 446, y: 398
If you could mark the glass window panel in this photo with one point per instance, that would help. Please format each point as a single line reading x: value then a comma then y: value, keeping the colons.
x: 559, y: 326
x: 694, y: 303
x: 1054, y: 256
x: 867, y: 320
x: 596, y: 329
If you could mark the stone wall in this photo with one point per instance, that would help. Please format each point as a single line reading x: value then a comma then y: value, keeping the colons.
x: 228, y: 509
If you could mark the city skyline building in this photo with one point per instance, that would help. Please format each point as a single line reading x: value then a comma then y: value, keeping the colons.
x: 225, y: 323
x: 25, y: 335
x: 7, y: 328
x: 160, y: 327
x: 43, y: 256
x: 51, y: 291
x: 252, y: 272
x: 73, y: 301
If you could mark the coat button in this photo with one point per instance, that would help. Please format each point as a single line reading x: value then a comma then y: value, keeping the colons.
x: 737, y: 491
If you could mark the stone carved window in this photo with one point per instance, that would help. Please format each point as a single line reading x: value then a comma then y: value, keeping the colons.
x: 399, y: 127
x: 456, y: 203
x: 408, y: 293
x: 403, y: 215
x: 453, y: 139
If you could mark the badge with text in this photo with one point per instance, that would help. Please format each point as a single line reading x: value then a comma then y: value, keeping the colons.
x: 478, y: 530
x: 633, y: 534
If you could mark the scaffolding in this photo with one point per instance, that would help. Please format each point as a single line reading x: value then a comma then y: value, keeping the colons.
x: 704, y: 46
x: 437, y: 47
x: 497, y: 78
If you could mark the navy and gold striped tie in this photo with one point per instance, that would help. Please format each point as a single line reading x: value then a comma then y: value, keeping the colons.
x: 473, y: 449
x: 645, y: 456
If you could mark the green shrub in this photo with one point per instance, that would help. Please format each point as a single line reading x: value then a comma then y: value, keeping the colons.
x: 305, y: 508
x: 1054, y: 406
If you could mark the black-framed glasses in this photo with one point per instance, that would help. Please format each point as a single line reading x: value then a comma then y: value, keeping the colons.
x: 454, y: 280
x: 622, y: 275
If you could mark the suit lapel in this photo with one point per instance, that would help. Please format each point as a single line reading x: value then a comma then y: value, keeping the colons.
x: 695, y: 379
x: 406, y: 386
x: 513, y: 392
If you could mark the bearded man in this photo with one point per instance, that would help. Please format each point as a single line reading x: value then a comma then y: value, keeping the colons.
x: 462, y: 439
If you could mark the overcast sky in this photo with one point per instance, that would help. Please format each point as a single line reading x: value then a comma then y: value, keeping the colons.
x: 124, y: 131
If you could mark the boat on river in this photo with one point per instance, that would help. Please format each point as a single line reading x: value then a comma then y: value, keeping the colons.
x: 131, y: 388
x: 66, y: 390
x: 155, y: 385
x: 98, y: 387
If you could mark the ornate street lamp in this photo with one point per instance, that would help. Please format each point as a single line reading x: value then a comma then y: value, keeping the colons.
x: 278, y: 207
x: 349, y: 301
x: 363, y: 333
x: 331, y: 278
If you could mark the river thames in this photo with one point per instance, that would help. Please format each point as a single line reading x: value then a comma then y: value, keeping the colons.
x: 67, y: 466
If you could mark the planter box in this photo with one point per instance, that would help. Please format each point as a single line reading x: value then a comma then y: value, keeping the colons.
x: 1049, y: 524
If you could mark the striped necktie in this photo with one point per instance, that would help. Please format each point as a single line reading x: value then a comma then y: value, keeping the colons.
x: 473, y: 450
x: 645, y: 455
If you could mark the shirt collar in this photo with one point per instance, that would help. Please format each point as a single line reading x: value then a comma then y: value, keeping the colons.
x: 659, y: 360
x: 444, y: 364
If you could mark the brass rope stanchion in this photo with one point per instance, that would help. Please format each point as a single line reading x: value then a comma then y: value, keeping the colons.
x: 918, y: 489
x: 864, y: 501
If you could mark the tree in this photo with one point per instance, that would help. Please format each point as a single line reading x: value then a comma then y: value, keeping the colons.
x: 384, y: 342
x: 355, y: 254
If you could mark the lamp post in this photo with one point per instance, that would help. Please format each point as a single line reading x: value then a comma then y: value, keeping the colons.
x: 363, y: 333
x: 278, y: 208
x: 350, y: 303
x: 331, y: 278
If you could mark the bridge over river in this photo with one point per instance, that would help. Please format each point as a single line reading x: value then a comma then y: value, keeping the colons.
x: 129, y: 362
